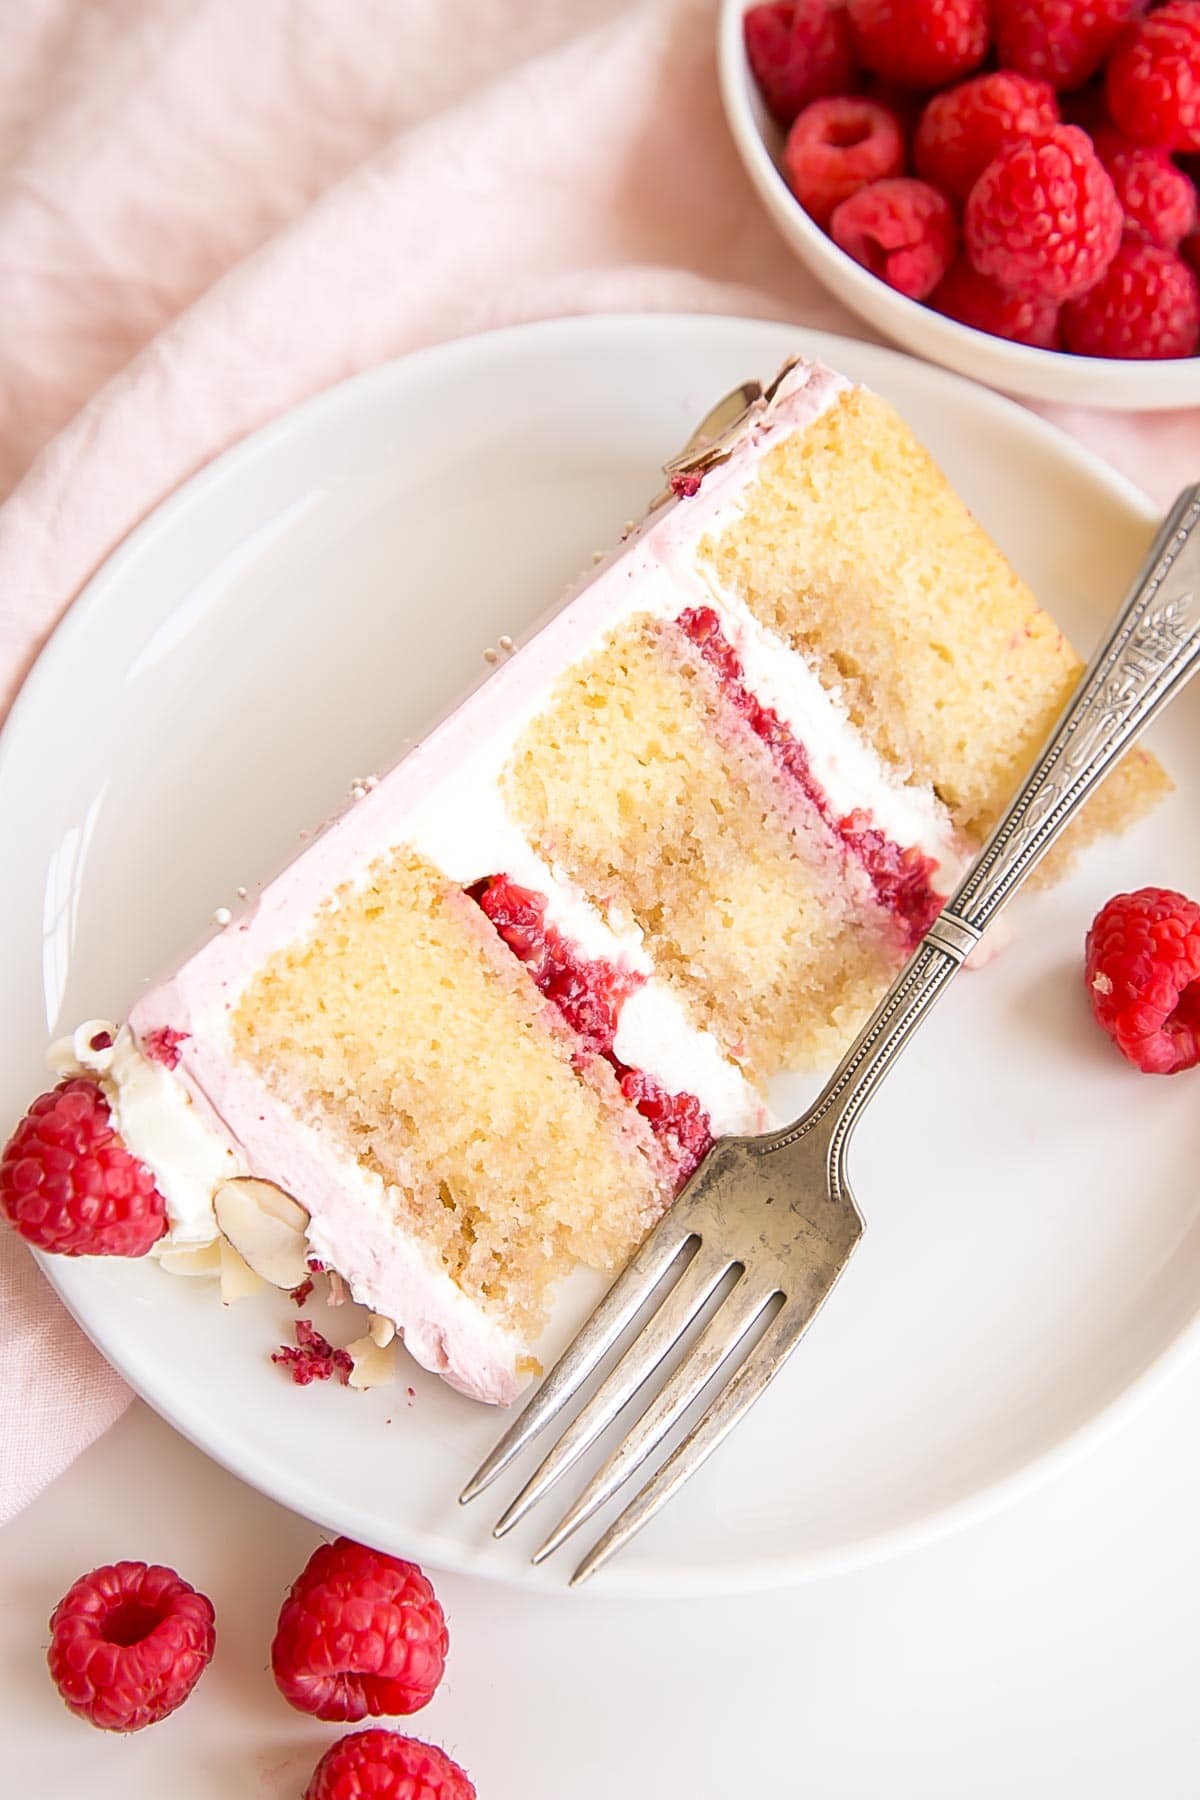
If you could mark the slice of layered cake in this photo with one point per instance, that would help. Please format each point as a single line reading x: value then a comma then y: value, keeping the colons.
x: 484, y: 1027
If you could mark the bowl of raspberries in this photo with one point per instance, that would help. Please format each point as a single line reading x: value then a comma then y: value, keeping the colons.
x: 1007, y: 187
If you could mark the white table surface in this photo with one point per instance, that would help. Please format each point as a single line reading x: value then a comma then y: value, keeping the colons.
x: 1051, y: 1651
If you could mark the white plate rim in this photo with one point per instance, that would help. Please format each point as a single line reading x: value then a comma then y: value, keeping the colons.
x: 639, y: 1579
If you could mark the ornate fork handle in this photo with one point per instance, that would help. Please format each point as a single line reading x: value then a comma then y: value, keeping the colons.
x: 1150, y: 652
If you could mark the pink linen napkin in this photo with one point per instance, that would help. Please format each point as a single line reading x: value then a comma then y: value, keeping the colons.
x: 210, y: 210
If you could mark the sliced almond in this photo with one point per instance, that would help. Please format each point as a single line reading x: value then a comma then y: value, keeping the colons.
x: 266, y: 1227
x: 337, y: 1288
x: 374, y: 1364
x: 192, y: 1259
x: 381, y: 1330
x: 238, y: 1279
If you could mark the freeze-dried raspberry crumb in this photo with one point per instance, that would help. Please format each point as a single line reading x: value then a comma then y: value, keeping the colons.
x: 685, y: 483
x: 963, y: 128
x: 360, y: 1633
x: 799, y: 51
x: 68, y: 1183
x: 162, y: 1045
x: 300, y: 1294
x: 920, y: 43
x: 902, y: 230
x: 313, y: 1358
x: 382, y: 1765
x: 1043, y: 217
x: 1062, y: 41
x: 1143, y: 978
x: 1145, y: 306
x: 1153, y: 79
x: 972, y: 299
x: 836, y: 147
x: 128, y: 1643
x: 1156, y: 197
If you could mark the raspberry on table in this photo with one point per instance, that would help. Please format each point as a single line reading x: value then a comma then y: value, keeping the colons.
x: 1043, y: 218
x: 1153, y: 78
x: 836, y: 147
x: 383, y: 1765
x: 68, y: 1183
x: 128, y: 1643
x: 1156, y: 197
x: 1143, y: 978
x: 904, y: 231
x: 1145, y: 306
x: 1062, y: 41
x: 972, y: 299
x: 798, y: 51
x: 360, y: 1633
x: 963, y: 128
x: 920, y: 43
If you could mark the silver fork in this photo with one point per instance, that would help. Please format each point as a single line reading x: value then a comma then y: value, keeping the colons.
x: 775, y: 1213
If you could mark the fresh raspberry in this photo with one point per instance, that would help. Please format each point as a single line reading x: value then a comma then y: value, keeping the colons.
x: 1157, y: 198
x: 902, y: 230
x: 799, y: 51
x: 68, y: 1183
x: 1062, y: 41
x: 836, y: 147
x: 964, y: 127
x: 1190, y: 251
x: 382, y: 1765
x: 1146, y: 305
x: 128, y: 1643
x: 1154, y: 78
x: 359, y: 1633
x: 972, y: 299
x: 920, y: 43
x: 1043, y: 217
x: 1143, y: 978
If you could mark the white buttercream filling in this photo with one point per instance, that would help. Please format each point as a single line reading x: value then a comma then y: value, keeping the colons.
x: 155, y: 1119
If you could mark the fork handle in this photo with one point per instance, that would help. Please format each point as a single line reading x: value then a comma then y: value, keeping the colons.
x: 1151, y: 650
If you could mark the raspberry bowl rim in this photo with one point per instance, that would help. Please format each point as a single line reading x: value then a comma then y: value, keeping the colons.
x: 1113, y: 384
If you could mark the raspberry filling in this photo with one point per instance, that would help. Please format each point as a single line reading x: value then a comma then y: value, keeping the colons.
x: 589, y: 993
x: 899, y: 876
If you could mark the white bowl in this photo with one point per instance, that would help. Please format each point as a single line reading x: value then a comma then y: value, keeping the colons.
x: 1017, y: 368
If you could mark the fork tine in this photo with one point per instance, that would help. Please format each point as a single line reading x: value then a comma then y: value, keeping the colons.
x: 694, y: 1287
x: 719, y: 1339
x: 735, y: 1399
x: 618, y: 1307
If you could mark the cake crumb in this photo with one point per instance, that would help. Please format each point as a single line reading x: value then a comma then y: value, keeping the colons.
x: 490, y: 655
x: 222, y: 916
x: 241, y: 893
x: 507, y: 645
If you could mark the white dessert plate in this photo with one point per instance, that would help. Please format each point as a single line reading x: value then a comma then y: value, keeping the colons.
x: 283, y: 624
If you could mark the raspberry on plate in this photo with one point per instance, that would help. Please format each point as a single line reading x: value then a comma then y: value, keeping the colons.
x: 1143, y: 978
x: 1043, y: 217
x: 920, y: 43
x: 1153, y: 78
x: 1063, y: 41
x: 964, y: 127
x: 798, y: 51
x: 1157, y: 198
x: 902, y: 230
x: 128, y: 1643
x: 360, y: 1633
x: 382, y: 1765
x: 972, y: 299
x: 836, y: 147
x: 68, y: 1183
x: 1145, y: 306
